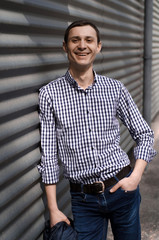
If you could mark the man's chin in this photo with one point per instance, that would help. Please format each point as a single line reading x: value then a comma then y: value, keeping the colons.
x: 83, y: 65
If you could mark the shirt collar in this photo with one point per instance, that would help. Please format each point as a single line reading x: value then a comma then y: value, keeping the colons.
x: 73, y: 82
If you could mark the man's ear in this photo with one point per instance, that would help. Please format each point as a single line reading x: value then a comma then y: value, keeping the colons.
x: 99, y: 47
x: 64, y: 46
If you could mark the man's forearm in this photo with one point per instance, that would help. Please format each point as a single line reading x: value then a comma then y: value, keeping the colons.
x: 55, y: 214
x: 51, y: 197
x: 139, y: 168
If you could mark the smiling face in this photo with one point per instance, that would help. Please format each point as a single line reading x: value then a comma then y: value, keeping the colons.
x: 82, y: 46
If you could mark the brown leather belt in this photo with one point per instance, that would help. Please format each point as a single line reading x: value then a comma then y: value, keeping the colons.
x: 99, y: 187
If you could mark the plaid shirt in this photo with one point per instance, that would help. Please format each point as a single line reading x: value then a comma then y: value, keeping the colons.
x: 80, y: 127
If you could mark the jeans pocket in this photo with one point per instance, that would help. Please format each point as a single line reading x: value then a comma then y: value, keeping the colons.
x: 129, y: 195
x: 129, y: 192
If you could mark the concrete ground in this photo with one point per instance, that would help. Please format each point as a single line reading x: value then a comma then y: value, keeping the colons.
x: 149, y: 188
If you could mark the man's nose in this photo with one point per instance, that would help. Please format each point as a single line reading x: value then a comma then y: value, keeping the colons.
x: 82, y: 45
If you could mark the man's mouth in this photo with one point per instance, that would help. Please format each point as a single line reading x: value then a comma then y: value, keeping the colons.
x: 81, y: 54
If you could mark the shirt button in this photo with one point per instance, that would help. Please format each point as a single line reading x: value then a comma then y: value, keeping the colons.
x: 93, y: 147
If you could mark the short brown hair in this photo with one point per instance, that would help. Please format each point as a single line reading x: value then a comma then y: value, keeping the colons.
x: 80, y: 23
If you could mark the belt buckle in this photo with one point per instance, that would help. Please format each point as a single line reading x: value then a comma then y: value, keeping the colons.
x: 103, y: 186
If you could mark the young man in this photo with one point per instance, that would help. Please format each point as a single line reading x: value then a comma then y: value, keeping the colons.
x: 79, y: 126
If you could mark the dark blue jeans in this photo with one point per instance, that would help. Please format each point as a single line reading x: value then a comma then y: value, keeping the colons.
x: 92, y: 213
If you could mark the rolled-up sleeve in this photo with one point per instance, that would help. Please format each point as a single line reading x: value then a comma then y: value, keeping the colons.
x: 48, y: 166
x: 137, y: 126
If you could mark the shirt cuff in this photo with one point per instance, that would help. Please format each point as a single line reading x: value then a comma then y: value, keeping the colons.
x: 146, y: 153
x: 49, y: 173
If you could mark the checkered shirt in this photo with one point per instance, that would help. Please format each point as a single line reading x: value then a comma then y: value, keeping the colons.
x: 81, y: 129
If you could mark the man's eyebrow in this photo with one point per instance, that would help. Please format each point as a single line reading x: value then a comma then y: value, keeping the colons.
x: 75, y: 37
x: 78, y: 37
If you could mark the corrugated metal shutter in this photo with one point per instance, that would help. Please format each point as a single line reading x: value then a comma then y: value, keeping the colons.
x: 31, y: 55
x: 155, y: 60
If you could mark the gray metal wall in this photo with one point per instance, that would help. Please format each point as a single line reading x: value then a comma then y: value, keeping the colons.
x: 155, y: 60
x: 31, y: 56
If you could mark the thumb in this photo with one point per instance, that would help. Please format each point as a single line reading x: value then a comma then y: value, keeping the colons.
x: 114, y: 188
x: 68, y: 221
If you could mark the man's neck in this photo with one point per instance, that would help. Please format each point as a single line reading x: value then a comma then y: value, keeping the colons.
x: 84, y: 78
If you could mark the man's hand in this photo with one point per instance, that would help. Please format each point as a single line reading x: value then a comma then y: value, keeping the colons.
x: 130, y: 183
x: 127, y: 184
x: 57, y: 216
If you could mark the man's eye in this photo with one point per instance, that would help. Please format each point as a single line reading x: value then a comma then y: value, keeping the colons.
x: 74, y: 40
x: 89, y: 40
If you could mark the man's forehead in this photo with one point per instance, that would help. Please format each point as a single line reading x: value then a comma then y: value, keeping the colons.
x: 82, y: 31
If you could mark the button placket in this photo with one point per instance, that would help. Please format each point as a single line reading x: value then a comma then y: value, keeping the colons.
x: 90, y: 122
